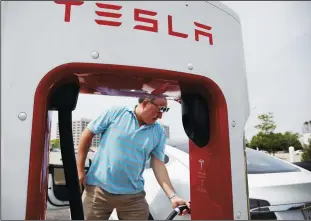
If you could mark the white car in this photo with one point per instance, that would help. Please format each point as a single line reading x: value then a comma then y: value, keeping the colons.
x: 277, y: 189
x: 274, y: 185
x: 277, y: 185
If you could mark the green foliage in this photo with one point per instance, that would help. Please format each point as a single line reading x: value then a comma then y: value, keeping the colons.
x: 267, y: 125
x: 306, y: 155
x: 55, y: 143
x: 272, y: 142
x: 291, y: 139
x: 269, y: 142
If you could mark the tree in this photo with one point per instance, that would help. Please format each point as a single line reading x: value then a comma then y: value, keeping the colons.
x: 266, y: 139
x: 55, y: 143
x: 306, y: 155
x: 269, y: 142
x: 291, y: 139
x: 267, y: 125
x: 273, y: 142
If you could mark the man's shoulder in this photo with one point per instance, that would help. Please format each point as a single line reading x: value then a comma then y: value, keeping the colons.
x: 159, y: 127
x: 117, y: 110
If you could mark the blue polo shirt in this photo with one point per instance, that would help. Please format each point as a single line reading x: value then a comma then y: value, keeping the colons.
x: 123, y: 151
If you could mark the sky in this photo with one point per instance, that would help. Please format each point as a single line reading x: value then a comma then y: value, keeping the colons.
x: 277, y: 45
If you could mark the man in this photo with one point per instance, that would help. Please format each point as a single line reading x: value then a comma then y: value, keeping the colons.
x: 128, y: 139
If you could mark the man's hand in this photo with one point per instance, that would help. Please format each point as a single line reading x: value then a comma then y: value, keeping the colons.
x: 81, y: 176
x: 176, y: 201
x: 83, y: 149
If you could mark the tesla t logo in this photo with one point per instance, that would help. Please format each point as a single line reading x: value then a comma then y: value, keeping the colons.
x: 201, y: 163
x: 147, y: 17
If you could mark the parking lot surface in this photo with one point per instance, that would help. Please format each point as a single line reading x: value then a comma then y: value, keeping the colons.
x: 63, y: 214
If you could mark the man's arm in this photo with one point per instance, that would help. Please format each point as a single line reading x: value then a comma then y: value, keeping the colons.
x: 83, y: 148
x: 158, y: 165
x: 162, y: 176
x: 164, y: 181
x: 161, y: 173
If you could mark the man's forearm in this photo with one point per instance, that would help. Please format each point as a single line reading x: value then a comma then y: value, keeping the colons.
x: 83, y: 149
x: 162, y: 176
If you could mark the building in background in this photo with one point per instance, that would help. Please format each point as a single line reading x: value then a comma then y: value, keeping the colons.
x: 306, y: 128
x: 77, y: 128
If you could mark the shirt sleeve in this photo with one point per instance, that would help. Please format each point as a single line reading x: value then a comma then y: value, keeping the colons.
x: 102, y: 122
x: 158, y: 151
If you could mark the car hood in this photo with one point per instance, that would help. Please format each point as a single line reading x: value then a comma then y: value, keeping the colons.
x: 179, y: 155
x: 281, y: 188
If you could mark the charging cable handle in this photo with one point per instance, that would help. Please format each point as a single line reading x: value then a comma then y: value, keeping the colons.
x: 178, y: 210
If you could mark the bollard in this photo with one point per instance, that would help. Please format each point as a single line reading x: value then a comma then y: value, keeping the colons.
x: 291, y: 151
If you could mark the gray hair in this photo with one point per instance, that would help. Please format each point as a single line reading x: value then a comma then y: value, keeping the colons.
x: 148, y: 97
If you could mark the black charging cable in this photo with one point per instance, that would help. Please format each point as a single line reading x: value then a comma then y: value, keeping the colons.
x: 178, y: 210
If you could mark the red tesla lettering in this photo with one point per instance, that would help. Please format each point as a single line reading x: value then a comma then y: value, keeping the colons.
x: 153, y: 22
x: 170, y: 29
x: 150, y: 23
x: 68, y: 5
x: 108, y: 14
x: 206, y: 34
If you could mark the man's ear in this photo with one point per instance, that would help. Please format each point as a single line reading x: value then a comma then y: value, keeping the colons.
x: 144, y: 103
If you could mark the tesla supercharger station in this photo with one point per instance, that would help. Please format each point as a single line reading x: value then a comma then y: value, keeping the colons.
x: 193, y: 50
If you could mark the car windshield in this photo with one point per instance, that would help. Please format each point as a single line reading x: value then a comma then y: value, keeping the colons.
x: 261, y: 163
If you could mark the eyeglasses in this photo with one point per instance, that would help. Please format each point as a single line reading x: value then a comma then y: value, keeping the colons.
x: 162, y: 109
